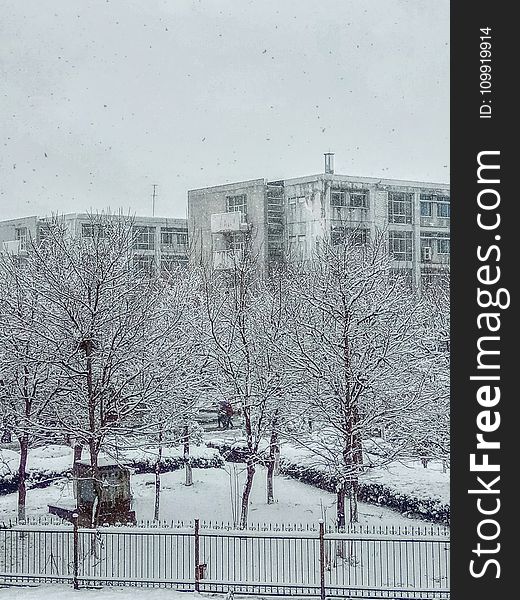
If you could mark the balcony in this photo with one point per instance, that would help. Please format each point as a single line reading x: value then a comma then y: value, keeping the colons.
x: 228, y: 222
x: 226, y: 259
x: 12, y: 246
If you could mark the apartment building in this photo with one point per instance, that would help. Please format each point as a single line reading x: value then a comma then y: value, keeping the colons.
x: 287, y: 220
x: 158, y: 242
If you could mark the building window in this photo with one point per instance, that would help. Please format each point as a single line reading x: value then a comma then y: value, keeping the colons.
x: 427, y: 241
x: 144, y: 237
x: 338, y: 199
x: 235, y: 241
x: 359, y: 198
x: 236, y: 203
x: 426, y: 208
x: 432, y: 277
x: 173, y: 237
x: 21, y: 236
x: 44, y: 233
x: 403, y: 276
x: 400, y: 245
x: 400, y: 207
x: 434, y: 241
x: 91, y: 230
x: 170, y: 263
x: 443, y: 210
x: 443, y: 245
x: 350, y: 198
x: 354, y: 236
x: 144, y: 263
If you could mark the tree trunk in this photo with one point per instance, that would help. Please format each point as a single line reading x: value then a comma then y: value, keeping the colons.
x: 157, y: 471
x: 78, y: 451
x: 357, y: 460
x: 247, y: 492
x: 187, y: 459
x: 22, y: 476
x: 93, y: 406
x: 354, y: 489
x: 270, y: 484
x: 96, y: 483
x: 340, y: 507
x: 272, y: 464
x: 277, y: 462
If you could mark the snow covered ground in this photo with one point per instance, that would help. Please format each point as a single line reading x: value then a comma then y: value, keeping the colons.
x: 407, y: 477
x: 210, y: 498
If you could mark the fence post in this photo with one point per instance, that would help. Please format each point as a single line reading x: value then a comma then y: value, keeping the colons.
x: 322, y: 559
x: 197, y: 556
x: 75, y: 538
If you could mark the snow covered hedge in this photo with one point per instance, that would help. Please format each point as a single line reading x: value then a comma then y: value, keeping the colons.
x: 201, y: 457
x: 44, y: 465
x: 49, y: 463
x: 402, y: 491
x: 373, y: 493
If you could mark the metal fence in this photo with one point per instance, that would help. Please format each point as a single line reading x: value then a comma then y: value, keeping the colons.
x: 363, y: 562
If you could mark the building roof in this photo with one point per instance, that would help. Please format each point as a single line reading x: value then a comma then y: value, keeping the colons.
x: 332, y: 177
x: 369, y: 180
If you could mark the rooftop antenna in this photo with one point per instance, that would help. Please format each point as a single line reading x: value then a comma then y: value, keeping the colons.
x: 154, y: 196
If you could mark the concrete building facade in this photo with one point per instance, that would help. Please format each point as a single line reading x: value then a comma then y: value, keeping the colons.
x: 158, y: 242
x: 287, y: 220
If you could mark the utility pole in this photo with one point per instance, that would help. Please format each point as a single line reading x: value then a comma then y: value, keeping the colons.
x: 154, y: 196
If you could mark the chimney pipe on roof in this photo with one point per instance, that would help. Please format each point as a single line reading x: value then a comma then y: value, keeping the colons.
x: 329, y: 162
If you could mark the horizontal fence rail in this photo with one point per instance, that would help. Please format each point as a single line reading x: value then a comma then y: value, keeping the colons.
x: 304, y: 560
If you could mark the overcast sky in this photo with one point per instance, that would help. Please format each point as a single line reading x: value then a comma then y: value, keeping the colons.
x: 100, y: 99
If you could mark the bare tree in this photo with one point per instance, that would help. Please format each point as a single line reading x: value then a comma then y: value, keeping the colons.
x: 102, y: 310
x: 273, y: 333
x: 428, y: 430
x: 355, y: 345
x: 28, y: 377
x: 242, y: 325
x: 179, y: 355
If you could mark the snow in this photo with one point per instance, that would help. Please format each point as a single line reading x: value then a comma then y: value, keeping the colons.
x: 407, y: 477
x: 150, y: 453
x: 210, y: 499
x: 411, y: 478
x: 62, y: 592
x: 56, y: 459
x: 50, y: 459
x: 8, y: 462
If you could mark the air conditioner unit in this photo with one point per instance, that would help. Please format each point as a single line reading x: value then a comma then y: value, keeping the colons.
x: 427, y: 254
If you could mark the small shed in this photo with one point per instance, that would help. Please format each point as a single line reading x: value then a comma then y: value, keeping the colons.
x: 116, y: 499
